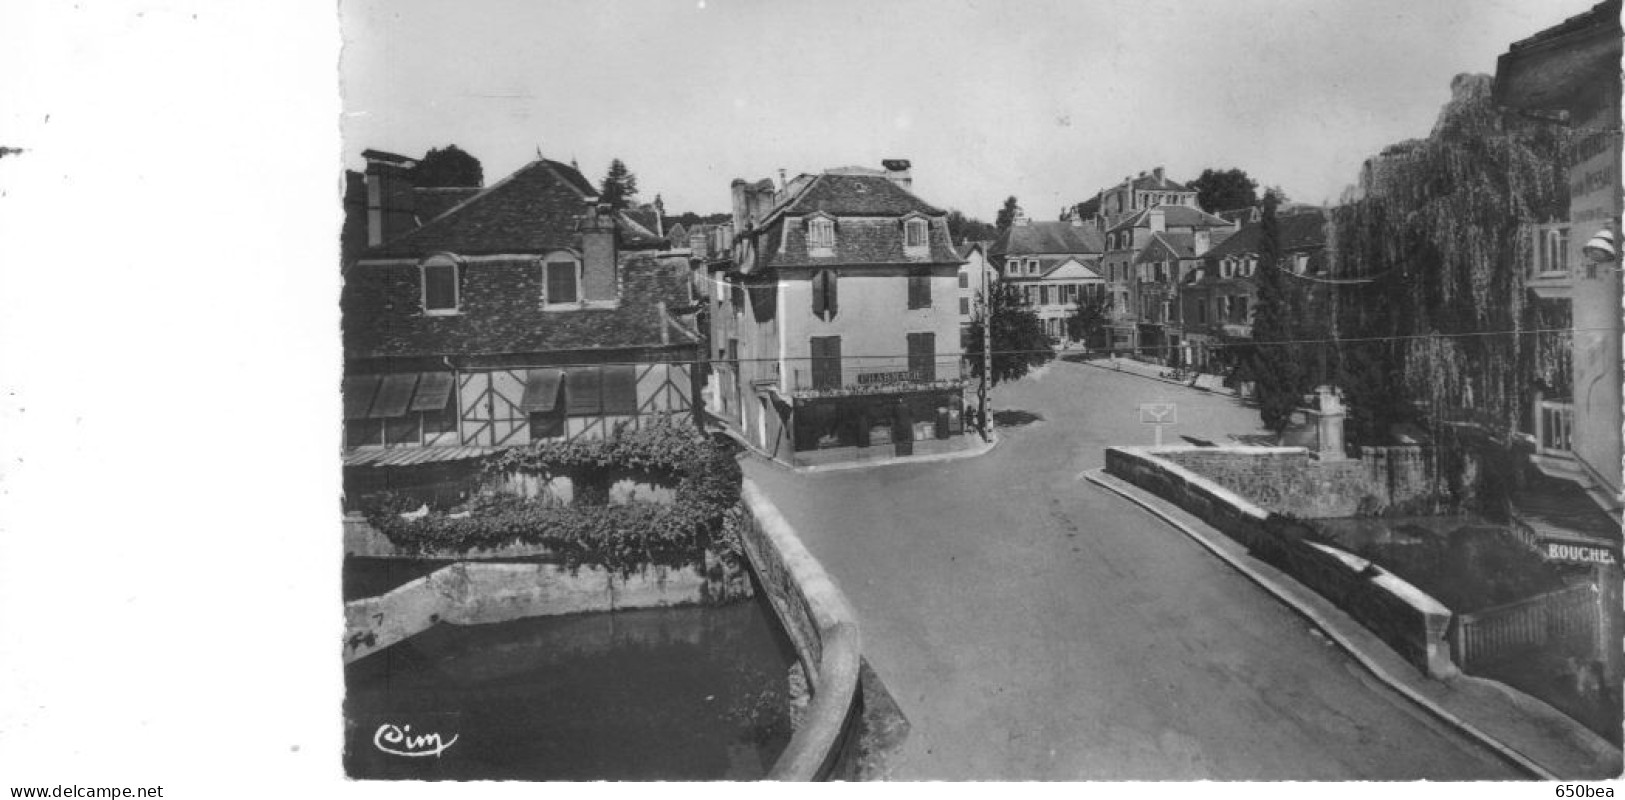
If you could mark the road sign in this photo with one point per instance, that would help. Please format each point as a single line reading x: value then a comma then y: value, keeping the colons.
x: 1159, y: 413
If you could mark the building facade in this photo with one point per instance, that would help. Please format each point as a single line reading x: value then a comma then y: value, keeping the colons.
x: 1219, y: 295
x: 1178, y: 227
x: 1569, y: 74
x: 1055, y: 265
x: 525, y: 313
x: 835, y: 323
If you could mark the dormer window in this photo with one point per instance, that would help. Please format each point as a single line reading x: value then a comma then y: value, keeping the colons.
x: 1032, y: 266
x: 821, y: 233
x: 563, y: 276
x: 914, y: 233
x: 439, y: 278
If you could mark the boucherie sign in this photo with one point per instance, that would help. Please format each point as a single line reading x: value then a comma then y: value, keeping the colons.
x: 1577, y: 553
x: 868, y: 378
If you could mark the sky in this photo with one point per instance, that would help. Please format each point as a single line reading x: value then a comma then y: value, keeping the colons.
x: 1045, y: 100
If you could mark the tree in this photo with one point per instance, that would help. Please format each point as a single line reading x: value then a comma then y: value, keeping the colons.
x: 1019, y: 340
x: 1276, y: 365
x: 448, y: 167
x: 620, y: 186
x: 1007, y: 214
x: 961, y: 228
x: 1087, y: 322
x: 1222, y: 190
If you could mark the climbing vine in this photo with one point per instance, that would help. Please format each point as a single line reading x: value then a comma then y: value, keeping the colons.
x: 589, y: 532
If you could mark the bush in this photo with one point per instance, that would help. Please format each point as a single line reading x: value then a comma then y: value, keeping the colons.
x: 624, y: 538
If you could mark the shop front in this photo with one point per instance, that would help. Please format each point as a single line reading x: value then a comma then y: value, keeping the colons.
x: 877, y: 425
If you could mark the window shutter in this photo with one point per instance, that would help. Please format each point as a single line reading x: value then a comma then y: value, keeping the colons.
x: 922, y: 355
x: 820, y: 302
x: 826, y: 362
x: 919, y: 290
x: 620, y: 389
x: 582, y: 391
x: 832, y: 296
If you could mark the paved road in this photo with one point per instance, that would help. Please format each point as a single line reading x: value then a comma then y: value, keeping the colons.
x: 1032, y: 626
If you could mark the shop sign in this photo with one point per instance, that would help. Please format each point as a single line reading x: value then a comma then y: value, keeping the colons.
x: 1577, y: 553
x: 870, y: 378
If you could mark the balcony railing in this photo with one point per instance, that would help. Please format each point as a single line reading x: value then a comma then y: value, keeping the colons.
x: 861, y: 376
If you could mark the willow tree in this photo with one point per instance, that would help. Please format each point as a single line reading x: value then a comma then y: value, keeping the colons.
x: 1429, y: 251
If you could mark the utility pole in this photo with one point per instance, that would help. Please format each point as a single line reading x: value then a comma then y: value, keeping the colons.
x: 982, y: 415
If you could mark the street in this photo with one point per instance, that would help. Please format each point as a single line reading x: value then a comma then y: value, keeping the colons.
x: 1032, y: 626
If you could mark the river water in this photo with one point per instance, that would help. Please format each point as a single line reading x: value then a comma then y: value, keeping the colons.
x: 660, y: 694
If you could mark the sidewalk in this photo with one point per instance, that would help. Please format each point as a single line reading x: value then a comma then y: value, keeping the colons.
x: 1202, y: 380
x: 1527, y: 732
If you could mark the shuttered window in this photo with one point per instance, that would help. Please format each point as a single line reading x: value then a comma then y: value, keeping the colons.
x: 583, y: 388
x: 922, y: 356
x: 919, y: 289
x: 825, y: 297
x: 620, y: 389
x: 826, y: 362
x: 561, y: 282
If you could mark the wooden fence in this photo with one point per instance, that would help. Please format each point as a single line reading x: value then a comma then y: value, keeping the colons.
x: 1568, y: 614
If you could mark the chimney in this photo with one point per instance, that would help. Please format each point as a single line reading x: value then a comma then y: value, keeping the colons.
x: 1142, y: 173
x: 741, y: 205
x: 1159, y: 173
x: 1158, y: 224
x: 783, y: 180
x: 1020, y: 217
x: 391, y: 203
x: 1202, y: 242
x: 897, y: 171
x: 598, y: 258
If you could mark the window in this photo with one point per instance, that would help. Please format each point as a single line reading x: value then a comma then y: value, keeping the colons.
x: 922, y: 357
x: 964, y: 306
x: 821, y: 233
x: 1300, y: 263
x: 439, y: 285
x: 563, y: 281
x: 964, y: 279
x: 826, y: 362
x: 1242, y: 314
x: 914, y: 232
x: 919, y: 289
x: 1555, y: 257
x: 824, y: 294
x: 1014, y: 267
x: 1032, y: 266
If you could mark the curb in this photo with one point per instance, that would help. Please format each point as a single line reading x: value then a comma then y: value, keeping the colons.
x: 1191, y: 386
x: 1099, y: 478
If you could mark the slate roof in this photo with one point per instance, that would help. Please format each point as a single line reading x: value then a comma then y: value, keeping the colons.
x: 846, y: 192
x: 855, y: 193
x: 531, y: 211
x: 857, y: 241
x: 1305, y: 230
x: 1149, y: 181
x: 1048, y: 237
x: 1604, y: 14
x: 502, y: 312
x: 428, y: 203
x: 1174, y: 217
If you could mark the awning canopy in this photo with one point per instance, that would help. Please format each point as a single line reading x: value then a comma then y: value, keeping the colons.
x: 542, y: 391
x: 621, y: 389
x: 358, y: 394
x: 434, y: 391
x: 394, y: 395
x: 390, y: 396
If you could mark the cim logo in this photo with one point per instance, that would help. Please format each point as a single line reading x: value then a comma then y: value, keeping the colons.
x: 1578, y: 553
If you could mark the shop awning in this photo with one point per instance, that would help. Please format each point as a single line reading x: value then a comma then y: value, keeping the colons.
x: 541, y: 391
x: 394, y: 395
x: 434, y: 390
x: 584, y: 384
x: 358, y: 394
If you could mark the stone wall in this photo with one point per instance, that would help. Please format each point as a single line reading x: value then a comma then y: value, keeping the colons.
x: 1290, y: 481
x: 469, y: 593
x: 821, y: 624
x: 1403, y: 616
